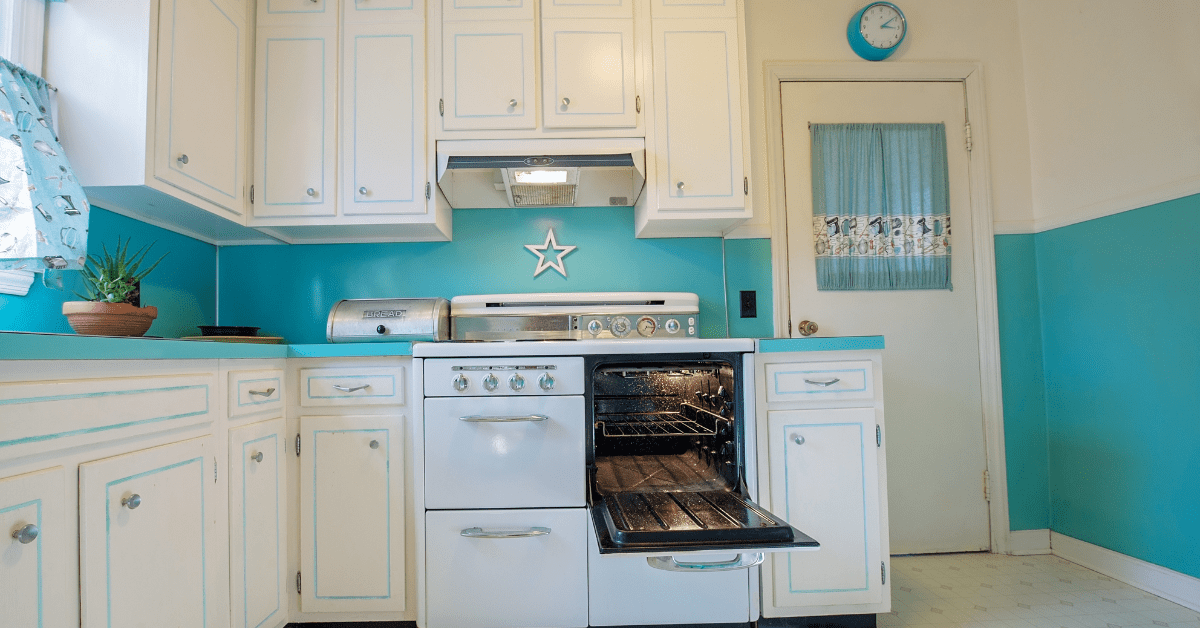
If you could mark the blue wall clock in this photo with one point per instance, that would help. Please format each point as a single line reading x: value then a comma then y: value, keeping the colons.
x: 876, y: 31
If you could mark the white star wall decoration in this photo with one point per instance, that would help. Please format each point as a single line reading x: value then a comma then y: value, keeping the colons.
x: 543, y: 259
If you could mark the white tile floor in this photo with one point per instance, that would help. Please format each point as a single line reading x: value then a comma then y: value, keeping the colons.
x: 995, y: 591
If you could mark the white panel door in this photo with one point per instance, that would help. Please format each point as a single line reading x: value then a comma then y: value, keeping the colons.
x: 936, y: 454
x: 488, y: 77
x: 295, y: 153
x: 352, y: 513
x: 258, y: 525
x: 487, y: 10
x: 587, y: 73
x: 506, y: 568
x: 693, y: 8
x: 554, y: 9
x: 383, y: 118
x: 34, y: 544
x: 148, y: 554
x: 698, y: 129
x: 379, y: 11
x: 201, y: 103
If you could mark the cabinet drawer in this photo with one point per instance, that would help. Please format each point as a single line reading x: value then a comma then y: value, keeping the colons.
x: 352, y: 386
x: 820, y: 381
x: 251, y: 392
x: 500, y: 581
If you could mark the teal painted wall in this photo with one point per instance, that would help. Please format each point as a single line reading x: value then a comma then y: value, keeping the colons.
x: 183, y: 287
x: 1120, y: 310
x: 1024, y: 389
x: 288, y: 291
x: 748, y: 267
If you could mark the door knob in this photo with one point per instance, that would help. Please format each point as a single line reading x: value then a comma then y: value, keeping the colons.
x: 806, y: 328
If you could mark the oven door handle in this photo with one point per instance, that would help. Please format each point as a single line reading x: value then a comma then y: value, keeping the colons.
x: 743, y: 561
x: 503, y: 419
x: 480, y: 533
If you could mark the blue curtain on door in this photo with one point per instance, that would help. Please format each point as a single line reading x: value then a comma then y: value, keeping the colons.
x: 881, y: 206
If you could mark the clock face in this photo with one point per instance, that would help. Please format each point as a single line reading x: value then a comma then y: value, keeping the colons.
x: 882, y: 26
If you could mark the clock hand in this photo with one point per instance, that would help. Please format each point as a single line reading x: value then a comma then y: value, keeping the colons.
x: 885, y: 24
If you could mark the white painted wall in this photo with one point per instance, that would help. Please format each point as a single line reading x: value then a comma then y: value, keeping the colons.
x: 939, y: 30
x: 1113, y: 88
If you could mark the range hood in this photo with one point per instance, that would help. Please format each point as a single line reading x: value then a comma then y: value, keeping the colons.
x: 600, y: 172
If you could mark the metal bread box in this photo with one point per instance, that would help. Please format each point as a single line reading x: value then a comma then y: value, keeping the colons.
x: 388, y: 320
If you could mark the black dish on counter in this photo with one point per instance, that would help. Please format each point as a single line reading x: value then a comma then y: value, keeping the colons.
x: 227, y: 330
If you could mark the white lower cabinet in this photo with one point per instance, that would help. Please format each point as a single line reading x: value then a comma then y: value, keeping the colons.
x: 507, y: 568
x: 352, y: 513
x: 148, y: 545
x: 33, y: 550
x: 258, y: 525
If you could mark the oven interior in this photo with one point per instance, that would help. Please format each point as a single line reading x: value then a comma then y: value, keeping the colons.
x: 667, y: 463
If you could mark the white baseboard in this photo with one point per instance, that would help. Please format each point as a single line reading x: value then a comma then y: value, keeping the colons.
x: 1029, y: 542
x: 1172, y: 585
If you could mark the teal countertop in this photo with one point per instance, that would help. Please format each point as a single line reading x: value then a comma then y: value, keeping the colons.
x: 843, y: 343
x: 31, y: 346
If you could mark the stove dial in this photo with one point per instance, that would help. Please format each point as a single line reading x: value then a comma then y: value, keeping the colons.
x: 620, y: 327
x: 546, y: 382
x: 516, y: 382
x: 595, y: 327
x: 646, y: 326
x: 490, y: 382
x: 461, y: 382
x: 672, y: 326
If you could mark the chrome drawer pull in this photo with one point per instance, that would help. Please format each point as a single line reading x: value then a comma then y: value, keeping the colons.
x: 668, y: 563
x: 503, y: 419
x: 480, y: 533
x: 351, y: 389
x: 263, y: 393
x: 828, y: 383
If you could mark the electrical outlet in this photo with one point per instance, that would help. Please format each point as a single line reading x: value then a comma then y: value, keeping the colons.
x: 749, y: 300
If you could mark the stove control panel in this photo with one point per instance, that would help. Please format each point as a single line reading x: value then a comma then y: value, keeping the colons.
x: 503, y: 377
x: 634, y: 326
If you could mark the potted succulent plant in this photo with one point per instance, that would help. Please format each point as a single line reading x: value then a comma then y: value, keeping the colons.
x: 112, y: 291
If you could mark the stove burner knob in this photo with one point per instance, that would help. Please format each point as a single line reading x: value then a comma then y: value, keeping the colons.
x: 516, y: 382
x: 620, y: 327
x: 672, y: 326
x: 546, y: 382
x: 490, y: 382
x: 595, y: 327
x: 461, y: 382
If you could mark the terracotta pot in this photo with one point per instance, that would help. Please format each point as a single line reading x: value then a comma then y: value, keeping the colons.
x: 92, y: 318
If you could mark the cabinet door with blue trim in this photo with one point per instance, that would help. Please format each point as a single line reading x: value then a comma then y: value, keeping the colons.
x: 488, y: 76
x: 33, y: 550
x: 825, y: 480
x: 148, y: 544
x: 352, y: 513
x: 258, y: 525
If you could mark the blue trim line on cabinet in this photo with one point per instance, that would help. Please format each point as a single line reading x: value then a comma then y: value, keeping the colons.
x: 266, y: 118
x: 671, y: 191
x: 272, y: 11
x: 624, y: 95
x: 412, y: 106
x: 517, y: 112
x: 268, y: 399
x: 105, y: 428
x: 108, y: 537
x: 245, y: 547
x: 826, y: 390
x: 788, y: 508
x: 312, y: 396
x: 388, y: 467
x: 41, y: 536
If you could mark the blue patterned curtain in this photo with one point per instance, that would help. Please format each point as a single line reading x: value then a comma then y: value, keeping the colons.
x: 881, y: 210
x: 43, y: 212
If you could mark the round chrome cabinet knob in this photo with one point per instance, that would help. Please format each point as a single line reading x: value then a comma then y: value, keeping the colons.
x: 516, y: 382
x: 490, y: 382
x: 672, y: 326
x: 26, y: 534
x: 374, y: 444
x: 546, y: 381
x: 620, y: 327
x: 595, y: 327
x: 257, y: 456
x: 461, y: 383
x: 132, y: 502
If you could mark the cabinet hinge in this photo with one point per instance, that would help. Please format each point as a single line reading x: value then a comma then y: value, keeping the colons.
x: 967, y: 133
x: 878, y: 436
x: 297, y: 582
x: 987, y: 494
x: 252, y: 195
x: 441, y: 107
x: 789, y: 329
x: 428, y: 190
x: 297, y: 445
x: 638, y: 103
x: 746, y: 185
x: 215, y: 467
x: 883, y: 572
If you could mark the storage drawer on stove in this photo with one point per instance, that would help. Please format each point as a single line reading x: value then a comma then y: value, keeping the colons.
x: 357, y: 386
x: 820, y: 381
x: 507, y: 568
x: 505, y: 452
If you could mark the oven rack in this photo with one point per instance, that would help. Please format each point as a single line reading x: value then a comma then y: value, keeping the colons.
x: 689, y: 421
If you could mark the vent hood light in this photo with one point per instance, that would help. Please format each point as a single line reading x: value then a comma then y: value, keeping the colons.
x: 540, y: 176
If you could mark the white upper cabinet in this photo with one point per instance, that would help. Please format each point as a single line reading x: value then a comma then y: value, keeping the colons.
x: 488, y: 76
x: 698, y: 143
x: 587, y: 73
x: 553, y: 9
x: 693, y: 8
x: 295, y: 151
x: 383, y: 118
x: 457, y: 10
x: 377, y: 11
